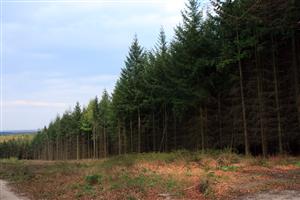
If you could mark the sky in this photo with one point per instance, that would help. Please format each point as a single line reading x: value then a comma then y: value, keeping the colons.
x: 58, y: 52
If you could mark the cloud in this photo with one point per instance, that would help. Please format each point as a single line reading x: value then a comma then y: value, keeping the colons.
x: 58, y: 53
x: 34, y: 103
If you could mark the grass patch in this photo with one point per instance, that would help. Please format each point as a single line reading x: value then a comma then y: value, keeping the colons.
x: 259, y: 161
x: 229, y: 168
x: 15, y: 170
x: 64, y: 168
x: 141, y: 181
x: 93, y: 179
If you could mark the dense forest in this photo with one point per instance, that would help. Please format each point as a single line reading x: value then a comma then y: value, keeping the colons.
x: 227, y: 80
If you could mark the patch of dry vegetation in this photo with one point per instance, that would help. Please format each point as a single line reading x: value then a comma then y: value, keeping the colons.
x: 177, y: 175
x: 21, y: 137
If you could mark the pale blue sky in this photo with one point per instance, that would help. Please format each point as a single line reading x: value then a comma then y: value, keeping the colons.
x: 58, y: 52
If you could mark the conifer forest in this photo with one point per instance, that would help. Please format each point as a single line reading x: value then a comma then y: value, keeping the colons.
x: 228, y: 79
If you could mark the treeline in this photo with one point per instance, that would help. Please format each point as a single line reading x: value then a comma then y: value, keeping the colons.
x: 229, y: 80
x: 18, y: 146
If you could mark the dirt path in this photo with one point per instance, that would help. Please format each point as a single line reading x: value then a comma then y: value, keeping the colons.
x: 7, y: 194
x: 282, y: 195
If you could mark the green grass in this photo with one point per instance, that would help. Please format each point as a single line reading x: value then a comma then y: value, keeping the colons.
x: 15, y: 170
x: 130, y: 159
x: 224, y: 157
x: 229, y: 168
x: 141, y: 181
x: 64, y: 168
x: 93, y: 179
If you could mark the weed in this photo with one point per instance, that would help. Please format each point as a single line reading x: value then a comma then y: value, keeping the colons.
x: 15, y: 170
x: 120, y: 161
x: 205, y: 185
x: 93, y: 179
x: 188, y: 172
x: 259, y: 162
x: 229, y: 168
x: 88, y: 190
x: 75, y: 186
x: 131, y: 198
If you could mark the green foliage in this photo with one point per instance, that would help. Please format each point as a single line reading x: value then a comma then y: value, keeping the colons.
x: 93, y: 179
x: 229, y: 168
x: 143, y: 181
x: 297, y: 163
x: 182, y: 94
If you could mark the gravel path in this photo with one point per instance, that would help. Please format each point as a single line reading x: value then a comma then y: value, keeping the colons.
x: 282, y: 195
x: 7, y: 194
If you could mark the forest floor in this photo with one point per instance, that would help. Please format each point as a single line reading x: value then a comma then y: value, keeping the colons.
x: 177, y: 175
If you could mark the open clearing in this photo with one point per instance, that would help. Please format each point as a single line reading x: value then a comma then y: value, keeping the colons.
x: 177, y: 175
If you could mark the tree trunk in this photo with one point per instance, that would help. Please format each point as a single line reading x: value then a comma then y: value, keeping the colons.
x: 220, y: 120
x: 88, y: 146
x: 276, y: 97
x: 295, y: 71
x: 260, y: 102
x: 202, y: 129
x: 131, y: 136
x: 119, y: 138
x: 153, y: 132
x: 247, y: 146
x: 166, y: 129
x: 164, y: 133
x: 77, y: 147
x: 104, y: 140
x: 57, y: 148
x: 139, y: 131
x: 175, y: 130
x: 94, y: 142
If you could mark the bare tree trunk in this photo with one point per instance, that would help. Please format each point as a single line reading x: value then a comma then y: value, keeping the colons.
x: 247, y: 146
x: 77, y: 147
x: 220, y: 120
x: 119, y: 138
x: 88, y: 147
x: 260, y: 102
x: 277, y: 97
x: 124, y: 138
x: 202, y: 129
x: 105, y: 140
x: 153, y: 132
x: 175, y: 130
x: 94, y: 142
x: 57, y: 148
x: 164, y: 134
x: 139, y: 131
x: 166, y: 129
x: 131, y: 136
x: 295, y: 71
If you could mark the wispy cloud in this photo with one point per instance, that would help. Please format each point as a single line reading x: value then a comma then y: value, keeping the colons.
x: 34, y: 103
x: 58, y: 53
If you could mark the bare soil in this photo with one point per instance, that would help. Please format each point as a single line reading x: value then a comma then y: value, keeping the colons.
x: 274, y: 195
